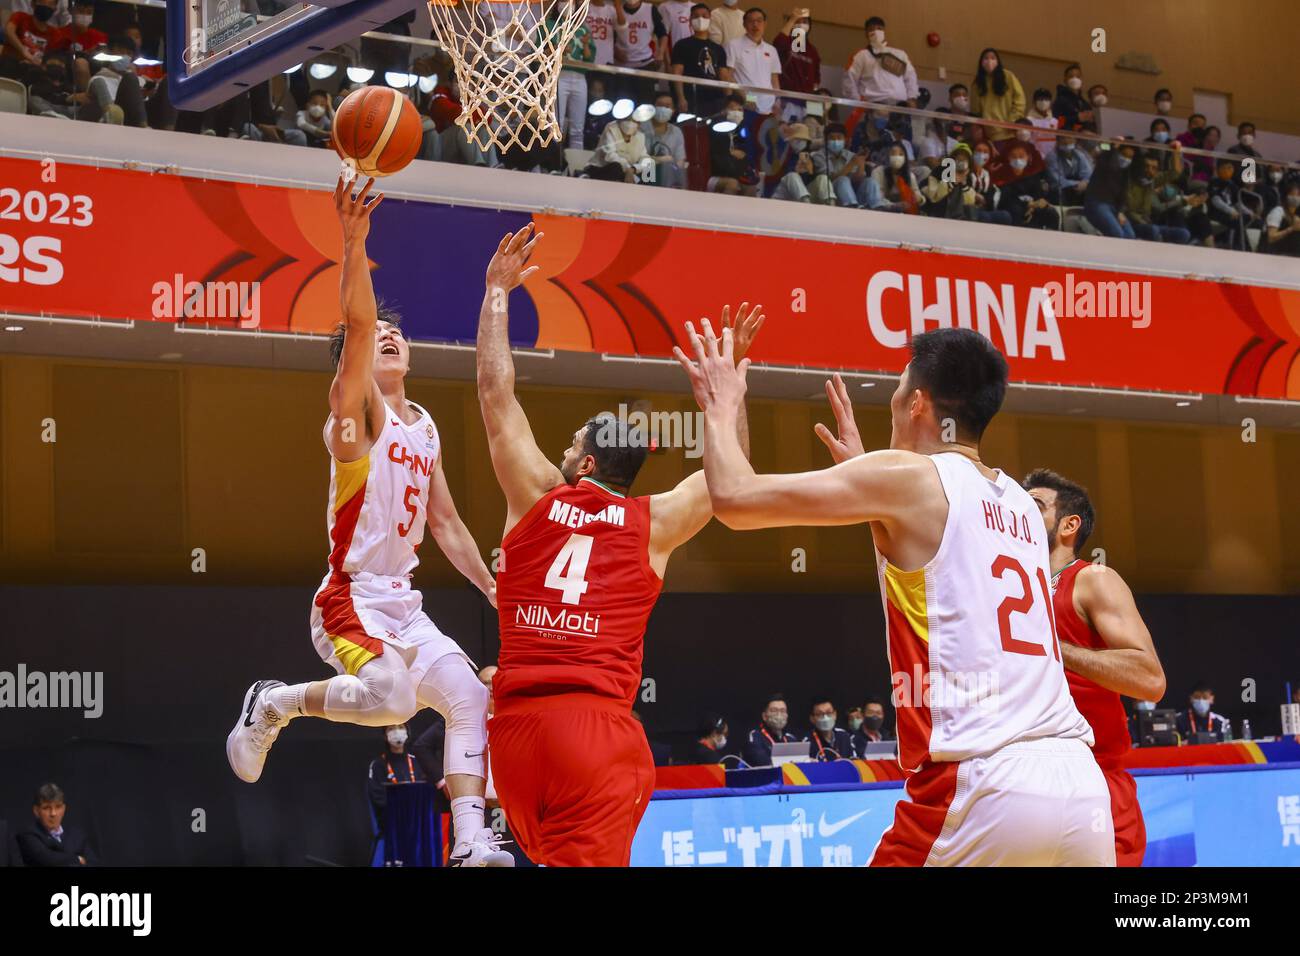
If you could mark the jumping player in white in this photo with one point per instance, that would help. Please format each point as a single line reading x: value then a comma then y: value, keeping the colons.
x: 386, y: 481
x: 999, y: 770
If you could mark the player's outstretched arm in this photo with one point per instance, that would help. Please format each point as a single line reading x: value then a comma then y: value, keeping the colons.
x: 875, y: 487
x: 1128, y: 664
x: 355, y: 400
x: 846, y: 443
x: 522, y: 470
x: 453, y: 537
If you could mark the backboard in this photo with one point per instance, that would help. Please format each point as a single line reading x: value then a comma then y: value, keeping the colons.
x: 218, y: 48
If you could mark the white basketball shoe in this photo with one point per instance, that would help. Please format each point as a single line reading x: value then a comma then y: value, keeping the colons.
x: 255, y: 730
x: 482, y: 849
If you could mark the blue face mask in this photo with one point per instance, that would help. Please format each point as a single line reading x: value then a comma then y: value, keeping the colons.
x: 1124, y: 162
x: 1160, y: 136
x: 1201, y: 706
x: 835, y: 145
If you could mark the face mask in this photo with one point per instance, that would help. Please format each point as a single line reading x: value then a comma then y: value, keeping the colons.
x: 663, y: 113
x: 700, y: 24
x: 962, y: 165
x: 43, y: 14
x: 1292, y: 201
x: 778, y: 721
x: 1275, y: 175
x: 826, y: 722
x: 735, y: 116
x: 1124, y: 162
x: 981, y: 159
x: 1201, y: 706
x: 855, y: 723
x: 719, y: 743
x: 989, y: 65
x: 316, y: 112
x: 1145, y: 180
x: 960, y: 102
x: 1019, y: 164
x: 1023, y: 136
x: 1248, y: 139
x: 874, y: 723
x: 1043, y: 105
x: 877, y: 37
x: 896, y: 162
x: 82, y: 20
x: 396, y: 737
x: 1160, y: 136
x: 1146, y: 705
x: 1164, y: 106
x: 1074, y: 83
x: 731, y: 3
x: 627, y: 126
x: 798, y: 145
x: 1099, y: 99
x: 835, y: 145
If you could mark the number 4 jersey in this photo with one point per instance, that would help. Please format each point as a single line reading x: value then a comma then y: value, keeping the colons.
x: 972, y: 640
x: 574, y: 591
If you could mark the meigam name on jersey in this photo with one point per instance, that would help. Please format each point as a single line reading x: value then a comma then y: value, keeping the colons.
x: 574, y: 517
x: 1006, y: 521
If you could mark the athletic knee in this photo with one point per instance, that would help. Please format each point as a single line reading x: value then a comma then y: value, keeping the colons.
x: 398, y: 705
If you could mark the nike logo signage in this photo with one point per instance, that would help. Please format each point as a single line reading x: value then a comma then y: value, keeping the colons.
x: 469, y: 756
x: 825, y: 829
x: 252, y: 702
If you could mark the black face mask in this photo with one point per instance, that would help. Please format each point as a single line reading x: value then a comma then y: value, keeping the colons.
x: 873, y: 723
x: 43, y: 13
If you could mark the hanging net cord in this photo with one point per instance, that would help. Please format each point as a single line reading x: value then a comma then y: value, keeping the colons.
x: 507, y: 55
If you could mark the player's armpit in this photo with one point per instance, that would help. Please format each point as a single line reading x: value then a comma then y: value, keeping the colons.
x: 1129, y: 664
x: 523, y: 472
x: 677, y: 516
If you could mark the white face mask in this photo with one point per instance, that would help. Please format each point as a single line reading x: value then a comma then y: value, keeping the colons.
x: 1164, y: 106
x: 877, y: 37
x: 396, y: 737
x: 826, y: 722
x: 1019, y: 163
x: 1247, y: 139
x: 1023, y: 136
x: 962, y: 165
x: 736, y: 116
x: 1275, y: 175
x: 798, y: 145
x: 82, y: 19
x: 627, y: 126
x: 663, y: 113
x: 1044, y: 106
x: 896, y: 162
x: 316, y: 112
x: 1099, y: 99
x: 720, y: 742
x: 1074, y: 83
x: 700, y: 24
x: 960, y: 102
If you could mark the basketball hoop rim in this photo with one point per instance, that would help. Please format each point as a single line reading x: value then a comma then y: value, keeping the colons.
x: 503, y: 3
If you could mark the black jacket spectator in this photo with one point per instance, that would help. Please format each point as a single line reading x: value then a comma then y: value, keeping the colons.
x: 1068, y: 105
x: 757, y: 751
x: 861, y: 737
x: 386, y: 769
x: 38, y: 848
x: 1109, y: 182
x: 1189, y: 722
x: 841, y: 744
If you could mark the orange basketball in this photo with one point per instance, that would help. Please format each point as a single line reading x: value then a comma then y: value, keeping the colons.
x: 378, y: 130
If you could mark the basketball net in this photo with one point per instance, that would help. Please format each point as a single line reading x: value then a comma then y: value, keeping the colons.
x: 507, y: 55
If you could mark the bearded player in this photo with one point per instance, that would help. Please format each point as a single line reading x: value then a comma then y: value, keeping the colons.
x: 386, y: 482
x: 1105, y: 645
x: 999, y: 770
x: 581, y: 567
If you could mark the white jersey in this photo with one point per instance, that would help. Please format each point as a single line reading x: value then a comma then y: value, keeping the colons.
x: 377, y: 504
x: 635, y: 45
x: 972, y: 639
x: 600, y: 21
x: 676, y: 15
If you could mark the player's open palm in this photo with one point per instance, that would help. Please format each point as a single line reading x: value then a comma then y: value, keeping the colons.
x: 717, y: 379
x: 744, y: 328
x: 847, y: 443
x: 509, y: 266
x: 354, y: 211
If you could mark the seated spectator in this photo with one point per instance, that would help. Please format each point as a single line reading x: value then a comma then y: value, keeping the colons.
x: 1070, y: 106
x: 46, y: 841
x: 317, y: 120
x: 957, y: 196
x: 1194, y: 135
x: 666, y: 144
x: 798, y: 168
x: 1103, y: 200
x: 1025, y: 195
x: 827, y: 741
x: 395, y: 765
x: 845, y: 170
x: 879, y: 73
x: 1202, y: 168
x: 62, y: 10
x: 729, y: 169
x: 80, y: 40
x: 981, y: 179
x: 877, y: 134
x: 1226, y: 208
x: 50, y: 91
x: 1140, y: 199
x: 700, y: 58
x: 940, y: 139
x: 757, y: 750
x: 853, y: 719
x: 1024, y: 137
x: 115, y: 92
x: 1245, y: 145
x: 593, y: 125
x: 892, y: 187
x: 1042, y: 117
x: 997, y: 94
x: 708, y: 747
x: 1186, y: 210
x: 1199, y: 717
x: 1068, y: 170
x: 1270, y: 187
x: 1164, y: 101
x: 1282, y: 225
x: 621, y: 154
x: 873, y: 729
x: 26, y: 37
x: 1161, y: 135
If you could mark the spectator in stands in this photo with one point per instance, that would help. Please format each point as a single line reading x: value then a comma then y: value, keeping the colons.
x: 1202, y: 168
x: 877, y: 133
x: 940, y: 139
x: 726, y: 22
x: 1164, y: 101
x: 1225, y: 206
x: 1026, y: 195
x: 80, y: 39
x: 447, y: 141
x: 801, y: 64
x: 1140, y: 205
x: 854, y: 720
x: 46, y: 841
x: 115, y: 93
x: 27, y: 35
x: 846, y: 171
x: 1070, y: 106
x: 1271, y: 187
x: 709, y: 745
x: 957, y: 196
x: 1245, y: 145
x: 755, y: 62
x: 639, y: 36
x: 700, y: 58
x: 1187, y: 210
x: 1068, y: 170
x: 996, y: 94
x: 1025, y: 137
x: 873, y: 729
x: 571, y: 107
x: 959, y: 99
x: 730, y: 171
x: 879, y: 73
x: 676, y: 15
x: 892, y: 186
x: 62, y: 10
x: 1042, y: 117
x: 593, y: 126
x: 1103, y: 200
x: 666, y: 144
x: 50, y: 90
x: 600, y: 23
x: 395, y: 765
x: 1098, y: 96
x: 317, y: 120
x: 757, y: 751
x: 1195, y: 132
x: 798, y: 167
x: 981, y: 178
x: 1199, y: 716
x: 826, y: 740
x: 621, y: 154
x: 1161, y: 135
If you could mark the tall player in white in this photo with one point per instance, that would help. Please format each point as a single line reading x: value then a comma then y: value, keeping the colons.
x: 386, y: 482
x: 999, y: 770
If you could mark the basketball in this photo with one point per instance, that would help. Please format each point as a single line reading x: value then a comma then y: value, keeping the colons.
x: 377, y: 130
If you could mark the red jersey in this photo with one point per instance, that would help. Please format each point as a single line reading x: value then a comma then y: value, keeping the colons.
x: 1102, y: 708
x: 574, y: 591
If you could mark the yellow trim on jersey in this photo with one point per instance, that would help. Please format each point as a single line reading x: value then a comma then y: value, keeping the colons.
x: 352, y: 656
x: 906, y: 591
x: 349, y: 476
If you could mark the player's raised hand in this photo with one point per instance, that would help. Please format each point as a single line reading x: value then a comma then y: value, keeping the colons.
x: 744, y: 328
x: 507, y: 268
x: 848, y: 443
x: 717, y: 380
x: 354, y: 211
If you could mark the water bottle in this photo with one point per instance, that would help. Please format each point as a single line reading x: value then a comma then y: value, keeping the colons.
x: 1245, y: 730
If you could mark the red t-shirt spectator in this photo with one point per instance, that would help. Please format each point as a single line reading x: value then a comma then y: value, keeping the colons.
x: 83, y: 42
x: 25, y: 26
x: 800, y: 72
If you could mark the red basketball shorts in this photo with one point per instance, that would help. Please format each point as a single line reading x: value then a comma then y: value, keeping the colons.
x: 1130, y: 829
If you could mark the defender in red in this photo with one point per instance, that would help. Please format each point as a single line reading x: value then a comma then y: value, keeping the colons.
x: 581, y: 567
x: 1105, y: 646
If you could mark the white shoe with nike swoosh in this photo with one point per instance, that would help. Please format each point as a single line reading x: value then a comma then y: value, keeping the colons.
x: 255, y: 731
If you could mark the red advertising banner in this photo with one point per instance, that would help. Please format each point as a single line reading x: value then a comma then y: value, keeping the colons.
x: 81, y: 241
